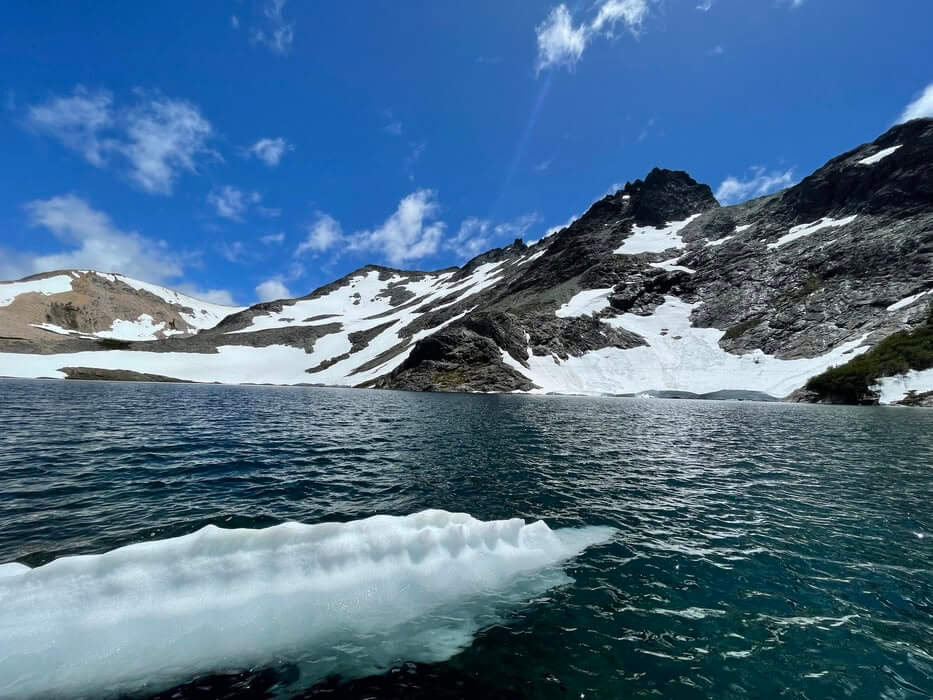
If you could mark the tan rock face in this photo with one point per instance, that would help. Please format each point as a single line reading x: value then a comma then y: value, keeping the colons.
x: 96, y: 305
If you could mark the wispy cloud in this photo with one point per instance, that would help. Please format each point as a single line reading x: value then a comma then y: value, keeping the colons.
x: 231, y: 203
x: 78, y: 121
x: 215, y: 296
x: 93, y: 241
x: 323, y: 234
x: 646, y: 131
x: 757, y: 183
x: 234, y: 21
x: 273, y: 289
x: 164, y: 137
x: 921, y: 107
x: 275, y: 33
x: 561, y: 43
x: 542, y: 166
x: 270, y: 151
x: 417, y: 150
x: 157, y: 138
x: 233, y: 251
x: 410, y: 233
x: 273, y: 238
x: 476, y: 236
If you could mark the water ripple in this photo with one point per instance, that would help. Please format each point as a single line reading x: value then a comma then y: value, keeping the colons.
x: 763, y: 550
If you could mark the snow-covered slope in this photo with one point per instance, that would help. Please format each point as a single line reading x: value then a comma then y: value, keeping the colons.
x: 655, y: 288
x: 362, y: 327
x: 90, y: 304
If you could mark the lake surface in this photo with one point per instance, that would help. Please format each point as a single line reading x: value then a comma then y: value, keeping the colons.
x: 755, y: 550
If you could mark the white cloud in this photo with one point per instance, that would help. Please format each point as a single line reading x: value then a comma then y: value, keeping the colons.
x: 476, y: 236
x: 560, y: 43
x: 234, y: 21
x: 758, y: 183
x: 717, y: 50
x: 164, y: 137
x: 232, y: 251
x: 631, y: 12
x: 394, y: 128
x: 704, y: 5
x: 77, y: 121
x: 159, y: 137
x: 276, y: 34
x: 96, y: 243
x: 270, y: 151
x: 216, y: 296
x: 273, y: 289
x: 411, y: 233
x: 273, y: 238
x: 323, y: 234
x: 920, y: 107
x: 542, y: 166
x: 417, y: 150
x: 231, y: 203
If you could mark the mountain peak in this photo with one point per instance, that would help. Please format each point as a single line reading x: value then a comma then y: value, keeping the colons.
x: 667, y: 195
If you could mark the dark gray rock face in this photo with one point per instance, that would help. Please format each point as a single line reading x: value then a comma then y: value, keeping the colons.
x: 798, y: 299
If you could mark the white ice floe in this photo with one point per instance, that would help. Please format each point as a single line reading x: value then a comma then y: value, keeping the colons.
x: 58, y: 284
x: 811, y: 228
x: 894, y: 389
x: 678, y: 357
x: 908, y: 301
x: 586, y: 303
x: 349, y: 598
x: 648, y: 239
x: 879, y: 156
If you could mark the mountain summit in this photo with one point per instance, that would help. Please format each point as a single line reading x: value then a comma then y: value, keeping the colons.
x: 655, y: 289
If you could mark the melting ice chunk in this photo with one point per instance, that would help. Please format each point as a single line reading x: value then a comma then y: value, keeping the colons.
x: 336, y: 597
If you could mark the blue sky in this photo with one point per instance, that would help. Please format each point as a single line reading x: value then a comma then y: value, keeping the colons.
x: 251, y: 149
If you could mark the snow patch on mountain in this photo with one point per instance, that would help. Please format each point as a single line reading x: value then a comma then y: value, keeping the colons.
x: 811, y: 228
x: 678, y: 357
x: 586, y: 303
x: 879, y: 156
x: 648, y: 239
x: 143, y: 328
x: 672, y: 266
x: 204, y: 314
x: 908, y: 301
x: 57, y: 284
x: 894, y: 389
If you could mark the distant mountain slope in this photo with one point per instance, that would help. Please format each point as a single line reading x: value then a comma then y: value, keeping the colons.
x: 655, y: 289
x: 58, y: 311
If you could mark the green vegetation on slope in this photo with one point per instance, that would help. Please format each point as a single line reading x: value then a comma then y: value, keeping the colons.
x: 896, y: 354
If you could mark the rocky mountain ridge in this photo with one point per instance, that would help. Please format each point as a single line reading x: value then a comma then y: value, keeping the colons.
x: 656, y: 288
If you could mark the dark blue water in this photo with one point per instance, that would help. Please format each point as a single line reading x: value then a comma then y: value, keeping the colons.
x: 762, y: 550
